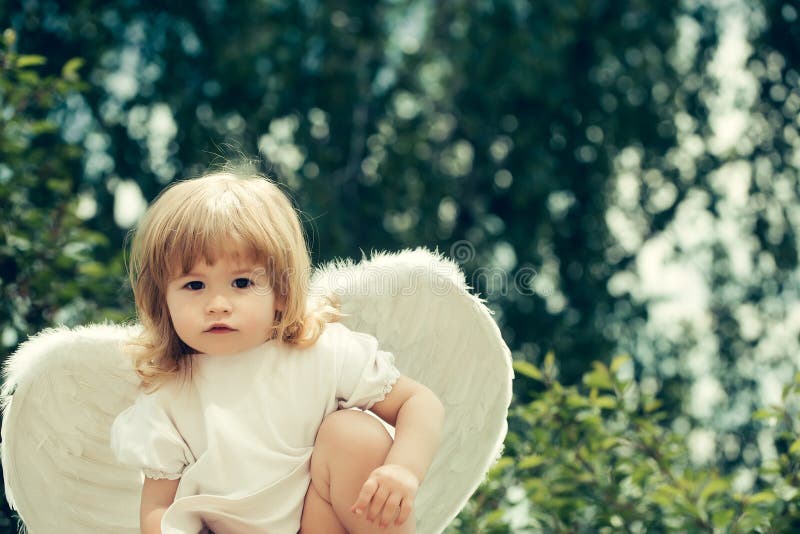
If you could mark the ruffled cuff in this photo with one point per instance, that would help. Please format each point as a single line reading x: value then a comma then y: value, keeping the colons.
x: 160, y: 475
x: 389, y: 380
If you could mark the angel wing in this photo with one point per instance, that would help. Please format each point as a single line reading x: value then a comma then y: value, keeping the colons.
x: 418, y: 306
x: 64, y: 387
x: 62, y: 390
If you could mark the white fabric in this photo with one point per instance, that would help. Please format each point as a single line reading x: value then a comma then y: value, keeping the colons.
x: 240, y: 433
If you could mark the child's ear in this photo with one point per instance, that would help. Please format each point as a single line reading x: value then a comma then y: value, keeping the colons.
x: 280, y: 303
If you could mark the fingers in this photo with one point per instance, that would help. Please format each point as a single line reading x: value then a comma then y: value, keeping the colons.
x: 387, y: 496
x: 364, y: 497
x: 378, y: 504
x: 378, y: 500
x: 405, y: 512
x: 390, y: 509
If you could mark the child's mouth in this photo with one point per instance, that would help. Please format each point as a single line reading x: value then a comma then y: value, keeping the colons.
x: 220, y: 330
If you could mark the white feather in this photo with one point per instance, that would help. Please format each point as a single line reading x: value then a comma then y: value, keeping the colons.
x: 61, y: 391
x: 63, y: 388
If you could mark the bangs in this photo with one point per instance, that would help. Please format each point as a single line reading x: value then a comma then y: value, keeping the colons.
x: 189, y: 249
x: 209, y: 227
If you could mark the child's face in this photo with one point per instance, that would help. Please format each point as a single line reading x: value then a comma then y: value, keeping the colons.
x: 224, y: 308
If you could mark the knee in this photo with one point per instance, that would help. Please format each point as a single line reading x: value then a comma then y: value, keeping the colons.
x: 353, y: 433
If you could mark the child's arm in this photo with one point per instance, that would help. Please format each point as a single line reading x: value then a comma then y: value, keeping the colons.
x: 157, y: 495
x: 417, y: 415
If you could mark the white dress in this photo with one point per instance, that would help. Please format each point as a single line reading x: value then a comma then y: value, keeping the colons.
x: 239, y: 435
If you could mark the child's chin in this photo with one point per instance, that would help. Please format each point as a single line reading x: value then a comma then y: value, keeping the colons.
x: 229, y: 348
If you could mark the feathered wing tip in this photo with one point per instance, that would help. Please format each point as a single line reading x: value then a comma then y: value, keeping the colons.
x: 388, y: 273
x: 418, y: 305
x: 62, y: 389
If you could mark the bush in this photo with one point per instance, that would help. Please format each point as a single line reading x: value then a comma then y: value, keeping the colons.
x: 51, y: 266
x: 598, y: 458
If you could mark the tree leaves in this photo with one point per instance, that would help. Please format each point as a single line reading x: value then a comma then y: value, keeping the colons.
x: 30, y: 60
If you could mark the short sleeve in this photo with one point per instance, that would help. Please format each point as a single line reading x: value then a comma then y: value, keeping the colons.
x: 143, y: 436
x: 366, y: 374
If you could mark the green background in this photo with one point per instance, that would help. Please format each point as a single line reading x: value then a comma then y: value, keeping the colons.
x: 613, y: 177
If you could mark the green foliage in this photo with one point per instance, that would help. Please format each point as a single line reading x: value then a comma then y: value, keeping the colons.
x: 49, y: 260
x: 597, y: 457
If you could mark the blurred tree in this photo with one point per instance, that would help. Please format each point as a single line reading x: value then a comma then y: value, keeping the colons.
x: 49, y: 261
x: 486, y: 129
x: 540, y: 98
x: 709, y: 230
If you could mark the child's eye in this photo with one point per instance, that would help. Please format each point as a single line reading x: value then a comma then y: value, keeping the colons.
x: 194, y: 285
x: 242, y: 283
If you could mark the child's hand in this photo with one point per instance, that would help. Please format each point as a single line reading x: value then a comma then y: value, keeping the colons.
x: 388, y: 494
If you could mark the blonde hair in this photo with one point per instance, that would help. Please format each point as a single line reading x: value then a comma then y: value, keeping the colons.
x: 205, y: 218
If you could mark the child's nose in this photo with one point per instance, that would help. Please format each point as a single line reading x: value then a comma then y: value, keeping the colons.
x: 218, y: 304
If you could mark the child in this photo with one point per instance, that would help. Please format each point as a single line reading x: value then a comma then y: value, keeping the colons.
x: 236, y: 428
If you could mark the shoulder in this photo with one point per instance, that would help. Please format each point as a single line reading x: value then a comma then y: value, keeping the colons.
x: 337, y: 343
x: 338, y: 338
x: 148, y: 402
x: 332, y: 333
x: 164, y: 400
x: 169, y: 391
x: 145, y: 414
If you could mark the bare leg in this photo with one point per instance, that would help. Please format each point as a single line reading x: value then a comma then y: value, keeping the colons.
x: 349, y: 445
x: 318, y: 515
